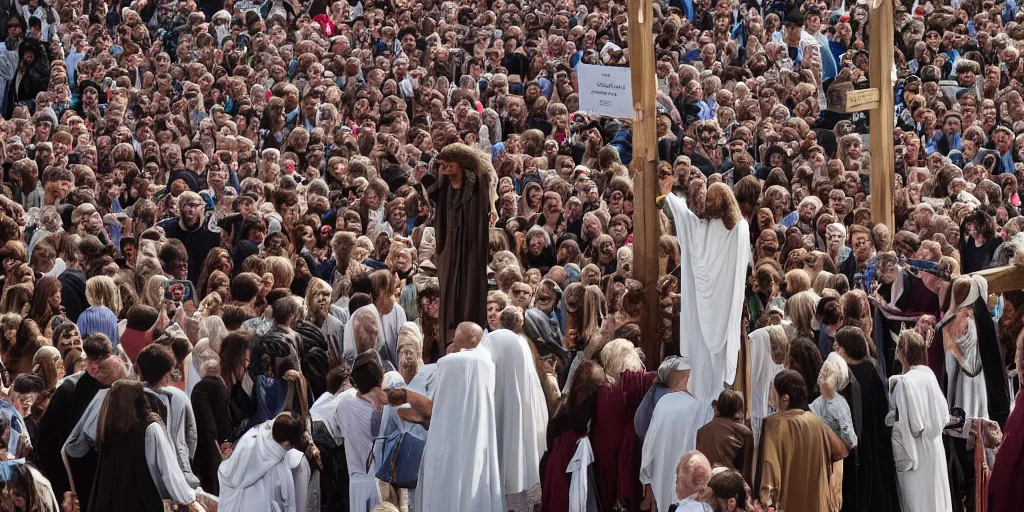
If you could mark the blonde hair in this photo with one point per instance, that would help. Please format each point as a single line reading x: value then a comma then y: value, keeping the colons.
x: 316, y: 285
x: 821, y: 281
x: 797, y: 280
x: 618, y: 356
x: 152, y: 293
x: 800, y: 310
x: 779, y: 343
x: 281, y: 269
x: 102, y: 291
x: 409, y: 335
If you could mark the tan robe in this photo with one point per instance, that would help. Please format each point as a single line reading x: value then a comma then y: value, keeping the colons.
x: 728, y: 443
x: 794, y: 460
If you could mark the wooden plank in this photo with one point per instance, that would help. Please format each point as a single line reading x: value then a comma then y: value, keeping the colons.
x: 646, y: 224
x: 882, y: 119
x: 1003, y: 279
x: 861, y: 100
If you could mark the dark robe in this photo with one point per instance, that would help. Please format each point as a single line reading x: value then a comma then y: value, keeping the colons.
x: 616, y: 447
x: 213, y: 425
x: 461, y: 225
x: 334, y: 477
x: 874, y: 467
x: 123, y: 482
x: 66, y: 407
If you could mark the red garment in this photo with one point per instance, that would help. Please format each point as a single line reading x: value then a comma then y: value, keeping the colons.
x: 615, y: 443
x: 555, y: 481
x: 132, y: 342
x: 1006, y: 483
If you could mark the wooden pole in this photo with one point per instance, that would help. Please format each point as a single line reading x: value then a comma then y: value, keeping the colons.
x: 646, y: 223
x: 883, y: 174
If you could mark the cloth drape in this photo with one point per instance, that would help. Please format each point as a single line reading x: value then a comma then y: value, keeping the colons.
x: 714, y: 263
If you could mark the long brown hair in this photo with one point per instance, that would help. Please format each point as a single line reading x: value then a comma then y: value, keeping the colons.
x: 123, y: 407
x: 46, y: 287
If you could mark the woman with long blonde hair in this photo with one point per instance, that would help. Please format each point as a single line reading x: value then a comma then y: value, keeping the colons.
x: 800, y: 310
x: 592, y: 315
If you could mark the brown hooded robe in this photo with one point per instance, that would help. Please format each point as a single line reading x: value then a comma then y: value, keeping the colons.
x: 461, y: 223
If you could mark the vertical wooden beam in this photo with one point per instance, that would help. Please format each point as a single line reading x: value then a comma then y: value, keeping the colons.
x: 882, y: 119
x: 646, y: 224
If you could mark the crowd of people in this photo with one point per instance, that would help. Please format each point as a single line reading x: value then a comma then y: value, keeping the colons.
x: 370, y: 255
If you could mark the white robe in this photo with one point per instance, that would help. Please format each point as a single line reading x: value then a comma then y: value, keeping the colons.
x: 387, y: 335
x: 962, y: 390
x: 714, y: 264
x: 762, y: 373
x: 673, y: 432
x: 922, y: 415
x: 262, y: 475
x: 521, y: 410
x: 459, y: 469
x: 355, y: 417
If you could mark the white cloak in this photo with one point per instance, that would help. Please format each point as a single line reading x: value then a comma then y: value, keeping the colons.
x: 262, y: 475
x: 459, y: 469
x: 714, y: 264
x: 673, y: 432
x: 521, y: 411
x: 762, y: 373
x: 922, y: 414
x: 355, y: 416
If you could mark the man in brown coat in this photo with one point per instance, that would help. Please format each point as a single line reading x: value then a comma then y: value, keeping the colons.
x: 463, y: 215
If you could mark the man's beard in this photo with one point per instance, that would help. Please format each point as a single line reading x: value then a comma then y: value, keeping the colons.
x: 191, y: 225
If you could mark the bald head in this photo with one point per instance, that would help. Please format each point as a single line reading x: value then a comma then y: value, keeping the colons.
x: 467, y: 337
x: 692, y: 474
x: 111, y: 369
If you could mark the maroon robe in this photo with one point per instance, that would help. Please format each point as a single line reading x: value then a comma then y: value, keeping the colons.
x: 1006, y: 484
x: 615, y: 443
x: 554, y: 480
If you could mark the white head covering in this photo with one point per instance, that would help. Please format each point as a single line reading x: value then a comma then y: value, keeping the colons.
x: 520, y: 408
x: 459, y: 469
x: 762, y: 373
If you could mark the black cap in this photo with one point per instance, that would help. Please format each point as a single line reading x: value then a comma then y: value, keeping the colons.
x: 794, y: 16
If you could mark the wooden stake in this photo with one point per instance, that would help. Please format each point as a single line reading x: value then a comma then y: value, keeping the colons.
x: 883, y: 174
x: 646, y: 223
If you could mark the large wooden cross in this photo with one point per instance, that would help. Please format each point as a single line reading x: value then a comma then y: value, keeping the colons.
x: 646, y: 223
x: 879, y: 102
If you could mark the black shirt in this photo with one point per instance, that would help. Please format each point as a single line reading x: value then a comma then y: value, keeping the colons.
x: 198, y: 243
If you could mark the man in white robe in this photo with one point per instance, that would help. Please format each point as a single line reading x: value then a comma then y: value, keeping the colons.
x: 920, y: 414
x: 714, y: 260
x: 265, y: 472
x: 673, y: 432
x: 522, y: 418
x: 459, y: 469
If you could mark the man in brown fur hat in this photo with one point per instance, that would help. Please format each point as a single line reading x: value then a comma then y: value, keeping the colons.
x: 462, y: 195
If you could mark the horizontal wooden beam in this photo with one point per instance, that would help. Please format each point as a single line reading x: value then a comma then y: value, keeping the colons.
x: 861, y: 99
x: 1003, y: 279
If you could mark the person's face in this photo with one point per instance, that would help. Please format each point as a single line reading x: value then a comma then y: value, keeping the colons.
x: 951, y: 126
x: 94, y: 222
x: 493, y: 316
x: 23, y: 401
x: 322, y: 302
x: 430, y: 306
x: 808, y: 211
x: 546, y: 299
x: 536, y: 245
x: 308, y: 240
x: 862, y: 246
x: 618, y: 231
x: 192, y: 214
x: 522, y: 295
x: 69, y: 339
x: 1002, y: 141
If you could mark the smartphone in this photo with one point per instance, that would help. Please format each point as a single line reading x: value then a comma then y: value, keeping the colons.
x: 178, y: 291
